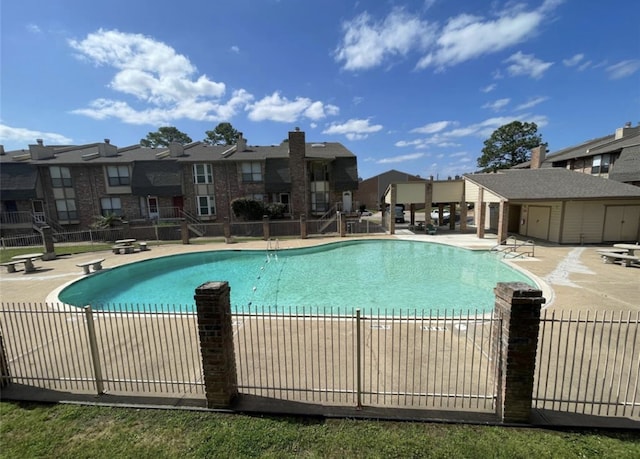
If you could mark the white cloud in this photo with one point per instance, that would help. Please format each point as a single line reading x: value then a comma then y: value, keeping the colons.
x: 368, y: 43
x: 432, y: 128
x: 278, y: 108
x: 353, y: 129
x: 34, y: 28
x: 531, y: 103
x: 526, y: 64
x: 573, y: 60
x: 489, y: 88
x: 235, y: 49
x: 466, y: 36
x: 623, y: 69
x: 166, y: 86
x: 400, y: 159
x: 410, y: 143
x: 24, y: 136
x: 158, y: 77
x: 497, y: 105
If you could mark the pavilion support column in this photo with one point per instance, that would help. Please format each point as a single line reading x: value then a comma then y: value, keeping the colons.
x: 428, y: 200
x: 452, y: 215
x: 412, y: 214
x: 463, y: 210
x: 392, y: 208
x: 503, y: 221
x: 480, y: 212
x: 440, y: 213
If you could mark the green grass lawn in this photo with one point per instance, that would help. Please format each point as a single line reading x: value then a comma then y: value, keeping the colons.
x: 35, y: 430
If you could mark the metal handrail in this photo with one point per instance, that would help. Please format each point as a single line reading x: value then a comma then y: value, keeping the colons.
x: 506, y: 247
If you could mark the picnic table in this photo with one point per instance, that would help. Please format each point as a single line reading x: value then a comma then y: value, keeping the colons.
x: 630, y: 248
x: 126, y: 245
x: 27, y: 259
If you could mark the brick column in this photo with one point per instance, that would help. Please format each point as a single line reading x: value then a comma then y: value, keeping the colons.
x: 47, y: 240
x: 480, y: 214
x: 266, y: 233
x: 216, y: 343
x: 5, y: 376
x: 303, y: 227
x: 227, y: 231
x: 392, y: 208
x: 503, y: 221
x: 516, y: 340
x: 184, y: 231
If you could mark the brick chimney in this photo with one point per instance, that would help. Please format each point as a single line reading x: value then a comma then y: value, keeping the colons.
x: 626, y: 130
x: 241, y: 143
x: 297, y: 171
x: 538, y: 155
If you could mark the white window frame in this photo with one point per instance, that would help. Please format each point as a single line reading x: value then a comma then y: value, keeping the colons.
x: 202, y: 173
x: 206, y: 202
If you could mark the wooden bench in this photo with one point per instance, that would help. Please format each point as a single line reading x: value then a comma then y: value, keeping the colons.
x: 95, y: 264
x: 612, y: 257
x: 122, y: 248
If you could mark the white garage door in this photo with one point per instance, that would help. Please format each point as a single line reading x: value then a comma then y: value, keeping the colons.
x: 621, y: 223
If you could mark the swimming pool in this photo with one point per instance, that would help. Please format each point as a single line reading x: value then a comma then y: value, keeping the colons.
x: 372, y: 275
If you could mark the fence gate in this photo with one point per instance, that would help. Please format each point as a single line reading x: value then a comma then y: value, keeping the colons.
x: 382, y: 360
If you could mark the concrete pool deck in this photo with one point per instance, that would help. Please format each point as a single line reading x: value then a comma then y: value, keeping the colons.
x: 573, y: 277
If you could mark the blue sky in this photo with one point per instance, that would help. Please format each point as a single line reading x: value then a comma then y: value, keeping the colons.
x: 415, y: 86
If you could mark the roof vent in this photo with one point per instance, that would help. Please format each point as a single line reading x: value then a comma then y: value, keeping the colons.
x: 318, y: 145
x: 22, y: 157
x: 88, y: 156
x: 163, y: 154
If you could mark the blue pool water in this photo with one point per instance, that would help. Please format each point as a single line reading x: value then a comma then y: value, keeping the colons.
x: 372, y: 275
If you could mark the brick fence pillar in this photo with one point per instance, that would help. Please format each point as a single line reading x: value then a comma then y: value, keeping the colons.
x: 266, y: 230
x: 47, y: 242
x: 184, y: 232
x: 227, y: 231
x: 5, y: 376
x: 303, y: 227
x: 215, y: 330
x: 518, y: 308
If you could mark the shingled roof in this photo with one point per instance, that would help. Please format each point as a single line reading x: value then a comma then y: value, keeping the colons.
x: 552, y: 184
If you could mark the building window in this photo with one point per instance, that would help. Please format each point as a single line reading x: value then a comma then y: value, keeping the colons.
x: 251, y: 171
x: 319, y: 172
x: 66, y: 209
x: 206, y: 205
x: 61, y: 177
x: 118, y: 175
x: 111, y: 206
x: 319, y: 197
x: 202, y: 173
x: 600, y: 164
x: 256, y: 197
